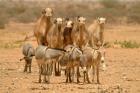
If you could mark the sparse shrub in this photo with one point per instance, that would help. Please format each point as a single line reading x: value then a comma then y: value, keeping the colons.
x: 128, y: 44
x: 134, y: 13
x: 111, y: 3
x: 107, y: 45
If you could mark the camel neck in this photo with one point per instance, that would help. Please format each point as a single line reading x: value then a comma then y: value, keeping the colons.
x: 101, y: 26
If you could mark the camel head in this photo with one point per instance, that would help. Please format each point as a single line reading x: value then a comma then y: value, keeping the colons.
x: 81, y: 20
x: 58, y: 21
x: 101, y: 20
x: 69, y: 24
x: 47, y: 12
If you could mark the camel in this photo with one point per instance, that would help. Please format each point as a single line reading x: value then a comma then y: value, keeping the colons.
x: 55, y: 34
x: 96, y: 32
x: 80, y: 33
x: 42, y: 26
x: 67, y: 33
x: 55, y: 39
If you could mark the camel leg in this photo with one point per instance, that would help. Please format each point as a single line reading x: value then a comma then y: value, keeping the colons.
x: 93, y: 72
x: 45, y: 80
x: 37, y: 40
x: 97, y: 73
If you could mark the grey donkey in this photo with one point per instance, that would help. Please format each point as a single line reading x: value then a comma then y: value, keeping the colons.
x: 28, y: 51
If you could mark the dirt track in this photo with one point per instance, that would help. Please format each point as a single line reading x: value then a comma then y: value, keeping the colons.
x: 122, y: 74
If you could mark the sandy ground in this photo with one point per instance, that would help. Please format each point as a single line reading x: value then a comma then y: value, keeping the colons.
x: 122, y: 74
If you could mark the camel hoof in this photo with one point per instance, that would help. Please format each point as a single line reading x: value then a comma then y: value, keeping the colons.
x: 57, y: 74
x: 89, y: 82
x: 66, y: 81
x: 39, y: 81
x: 98, y: 82
x: 78, y: 81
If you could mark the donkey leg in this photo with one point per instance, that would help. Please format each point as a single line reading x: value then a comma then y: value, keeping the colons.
x: 93, y: 72
x: 84, y: 76
x: 87, y: 76
x: 59, y: 72
x: 40, y: 72
x: 78, y: 75
x: 25, y: 67
x: 55, y: 69
x: 66, y: 75
x: 70, y: 80
x: 30, y: 62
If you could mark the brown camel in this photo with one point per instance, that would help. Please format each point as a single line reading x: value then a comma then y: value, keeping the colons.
x: 55, y: 39
x: 42, y: 26
x: 55, y: 34
x: 80, y: 33
x: 67, y: 33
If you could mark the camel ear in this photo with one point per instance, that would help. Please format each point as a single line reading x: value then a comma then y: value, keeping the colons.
x: 77, y: 17
x: 55, y: 20
x: 72, y: 24
x: 98, y: 19
x: 67, y: 19
x: 43, y: 11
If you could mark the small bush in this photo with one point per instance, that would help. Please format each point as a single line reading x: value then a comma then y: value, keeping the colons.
x: 11, y: 45
x: 128, y: 44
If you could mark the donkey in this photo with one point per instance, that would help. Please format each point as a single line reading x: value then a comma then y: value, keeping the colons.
x: 92, y: 57
x: 28, y: 52
x: 44, y: 56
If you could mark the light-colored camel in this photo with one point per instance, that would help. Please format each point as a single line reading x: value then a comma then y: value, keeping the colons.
x: 42, y: 26
x: 96, y: 32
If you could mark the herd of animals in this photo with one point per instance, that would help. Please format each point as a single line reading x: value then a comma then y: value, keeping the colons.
x: 69, y: 45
